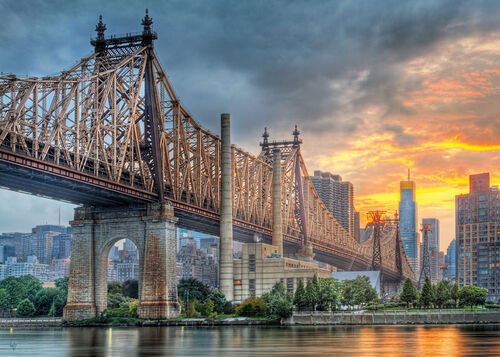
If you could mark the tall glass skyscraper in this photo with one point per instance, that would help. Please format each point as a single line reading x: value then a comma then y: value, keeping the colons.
x: 408, y: 222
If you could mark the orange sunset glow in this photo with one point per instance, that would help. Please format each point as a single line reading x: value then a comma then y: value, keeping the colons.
x: 445, y: 128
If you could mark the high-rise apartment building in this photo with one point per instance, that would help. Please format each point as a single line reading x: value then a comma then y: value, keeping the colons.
x: 338, y: 197
x: 433, y: 237
x: 408, y: 217
x: 477, y: 217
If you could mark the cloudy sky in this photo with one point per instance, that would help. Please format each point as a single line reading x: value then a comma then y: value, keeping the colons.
x: 376, y: 87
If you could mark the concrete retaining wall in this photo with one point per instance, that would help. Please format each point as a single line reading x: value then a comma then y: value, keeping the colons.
x: 394, y: 318
x: 30, y: 322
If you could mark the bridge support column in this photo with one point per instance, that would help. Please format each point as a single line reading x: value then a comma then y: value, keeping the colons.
x: 277, y: 238
x: 226, y: 216
x: 95, y: 230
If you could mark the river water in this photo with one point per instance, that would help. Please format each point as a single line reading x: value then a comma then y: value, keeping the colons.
x: 470, y: 340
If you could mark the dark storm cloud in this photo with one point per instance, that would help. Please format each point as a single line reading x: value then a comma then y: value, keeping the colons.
x: 320, y: 64
x: 267, y: 62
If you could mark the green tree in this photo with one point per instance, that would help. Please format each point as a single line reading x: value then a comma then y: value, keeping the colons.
x: 56, y: 309
x: 131, y: 289
x: 62, y: 283
x: 299, y: 299
x: 442, y: 293
x: 115, y: 287
x: 46, y: 297
x: 427, y: 294
x: 219, y: 300
x: 454, y: 293
x: 348, y: 293
x: 279, y: 303
x: 30, y: 286
x: 409, y: 295
x: 20, y: 288
x: 312, y: 293
x: 191, y: 288
x: 361, y: 290
x: 329, y: 294
x: 472, y: 295
x: 4, y: 300
x: 25, y: 308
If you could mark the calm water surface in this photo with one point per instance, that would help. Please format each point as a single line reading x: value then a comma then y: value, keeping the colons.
x: 255, y: 341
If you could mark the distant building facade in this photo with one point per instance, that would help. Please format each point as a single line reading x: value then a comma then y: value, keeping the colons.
x: 408, y: 223
x: 338, y: 197
x: 477, y: 216
x: 450, y: 261
x: 261, y: 267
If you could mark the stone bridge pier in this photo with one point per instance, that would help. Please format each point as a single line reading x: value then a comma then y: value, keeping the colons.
x: 95, y: 230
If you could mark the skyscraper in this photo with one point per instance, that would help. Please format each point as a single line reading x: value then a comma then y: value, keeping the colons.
x: 451, y: 261
x: 434, y: 255
x: 338, y: 197
x: 408, y: 222
x: 477, y: 217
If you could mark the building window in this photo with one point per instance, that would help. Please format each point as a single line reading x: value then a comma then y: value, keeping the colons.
x: 289, y: 285
x: 251, y: 263
x: 251, y: 287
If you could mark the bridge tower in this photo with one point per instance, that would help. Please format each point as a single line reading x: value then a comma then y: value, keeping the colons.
x: 425, y: 270
x: 151, y: 226
x: 277, y: 153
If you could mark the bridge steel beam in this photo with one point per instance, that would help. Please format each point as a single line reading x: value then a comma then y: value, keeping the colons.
x: 95, y: 230
x: 226, y: 215
x: 277, y: 237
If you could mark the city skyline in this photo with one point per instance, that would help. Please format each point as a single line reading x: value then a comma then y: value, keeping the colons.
x: 422, y: 97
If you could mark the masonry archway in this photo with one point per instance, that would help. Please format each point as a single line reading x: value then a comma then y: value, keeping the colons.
x: 103, y: 279
x: 151, y: 228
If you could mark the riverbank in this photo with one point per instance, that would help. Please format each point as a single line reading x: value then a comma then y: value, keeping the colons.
x: 431, y: 317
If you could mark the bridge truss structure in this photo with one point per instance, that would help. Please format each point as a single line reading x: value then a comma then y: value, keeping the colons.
x: 111, y: 131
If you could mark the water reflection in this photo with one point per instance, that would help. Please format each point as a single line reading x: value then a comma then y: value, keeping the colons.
x: 256, y: 341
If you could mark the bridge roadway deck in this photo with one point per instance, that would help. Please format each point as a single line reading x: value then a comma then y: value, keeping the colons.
x: 26, y: 174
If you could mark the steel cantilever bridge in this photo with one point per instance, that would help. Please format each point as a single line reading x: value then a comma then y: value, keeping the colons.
x: 111, y: 131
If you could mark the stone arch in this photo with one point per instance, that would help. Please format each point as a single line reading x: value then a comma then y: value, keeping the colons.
x: 151, y: 227
x: 101, y: 267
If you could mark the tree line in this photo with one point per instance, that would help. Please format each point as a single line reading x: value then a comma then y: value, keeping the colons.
x: 442, y: 294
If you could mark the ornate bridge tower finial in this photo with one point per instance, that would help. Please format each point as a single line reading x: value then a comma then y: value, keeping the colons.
x: 147, y: 34
x: 100, y: 42
x: 296, y: 139
x: 266, y: 137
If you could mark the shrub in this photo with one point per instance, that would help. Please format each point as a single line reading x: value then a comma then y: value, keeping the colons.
x: 191, y: 311
x: 280, y: 306
x: 116, y: 300
x: 25, y: 308
x: 132, y: 308
x: 209, y: 309
x: 228, y: 308
x: 119, y: 312
x: 252, y: 307
x: 219, y: 300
